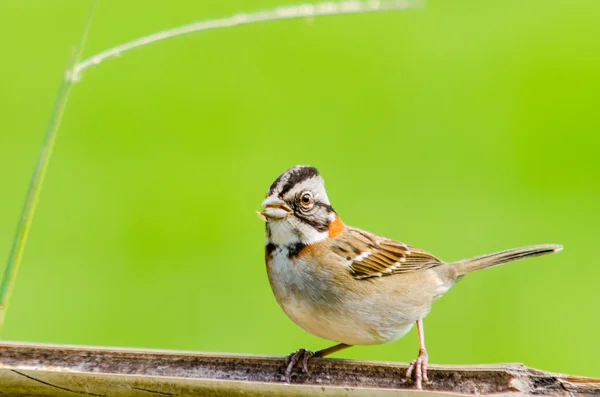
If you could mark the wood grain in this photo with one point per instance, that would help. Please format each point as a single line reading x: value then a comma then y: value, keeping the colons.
x: 55, y: 370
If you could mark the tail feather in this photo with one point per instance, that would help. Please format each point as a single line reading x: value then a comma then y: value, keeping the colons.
x: 481, y: 262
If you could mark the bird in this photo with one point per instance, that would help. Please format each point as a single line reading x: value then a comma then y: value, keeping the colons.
x: 348, y: 285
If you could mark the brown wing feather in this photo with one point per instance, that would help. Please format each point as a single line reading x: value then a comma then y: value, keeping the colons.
x: 369, y: 255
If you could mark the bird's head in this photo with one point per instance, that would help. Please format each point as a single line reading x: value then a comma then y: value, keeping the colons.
x: 297, y: 208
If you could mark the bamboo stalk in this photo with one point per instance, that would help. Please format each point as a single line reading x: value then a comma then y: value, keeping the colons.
x: 55, y: 370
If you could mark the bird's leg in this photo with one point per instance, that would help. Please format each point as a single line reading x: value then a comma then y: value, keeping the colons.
x: 419, y: 365
x: 302, y: 356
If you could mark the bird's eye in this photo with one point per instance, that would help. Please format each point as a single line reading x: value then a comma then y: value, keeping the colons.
x: 306, y: 198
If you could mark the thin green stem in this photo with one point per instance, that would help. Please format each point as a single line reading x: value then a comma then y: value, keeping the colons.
x: 39, y: 173
x: 307, y: 10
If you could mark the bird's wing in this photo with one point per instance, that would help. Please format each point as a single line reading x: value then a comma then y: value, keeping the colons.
x: 369, y: 255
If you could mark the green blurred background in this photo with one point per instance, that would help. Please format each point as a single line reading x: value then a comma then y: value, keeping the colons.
x: 463, y: 128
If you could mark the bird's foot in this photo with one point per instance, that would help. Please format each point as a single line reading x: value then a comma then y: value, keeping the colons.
x: 300, y: 357
x: 419, y: 366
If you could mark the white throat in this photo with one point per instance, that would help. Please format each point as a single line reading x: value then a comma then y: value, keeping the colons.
x: 291, y: 231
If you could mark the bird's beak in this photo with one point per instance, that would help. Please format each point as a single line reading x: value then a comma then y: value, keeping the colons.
x: 275, y: 208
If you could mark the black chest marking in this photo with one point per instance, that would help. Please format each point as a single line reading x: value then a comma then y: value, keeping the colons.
x: 294, y: 249
x: 291, y: 250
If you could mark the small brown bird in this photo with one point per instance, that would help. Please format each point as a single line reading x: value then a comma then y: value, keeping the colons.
x: 350, y: 286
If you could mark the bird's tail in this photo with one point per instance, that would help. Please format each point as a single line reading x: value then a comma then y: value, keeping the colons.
x: 481, y: 262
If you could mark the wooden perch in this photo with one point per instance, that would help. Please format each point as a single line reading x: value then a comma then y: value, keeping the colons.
x: 53, y: 370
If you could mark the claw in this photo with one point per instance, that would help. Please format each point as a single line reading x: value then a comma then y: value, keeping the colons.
x: 419, y: 365
x: 288, y: 359
x: 307, y: 356
x: 302, y: 356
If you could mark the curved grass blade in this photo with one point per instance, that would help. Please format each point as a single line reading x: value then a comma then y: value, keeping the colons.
x: 39, y: 173
x: 307, y: 10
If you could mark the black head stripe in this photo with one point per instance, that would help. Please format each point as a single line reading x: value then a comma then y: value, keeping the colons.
x: 319, y: 226
x: 297, y: 175
x: 327, y: 207
x: 275, y: 184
